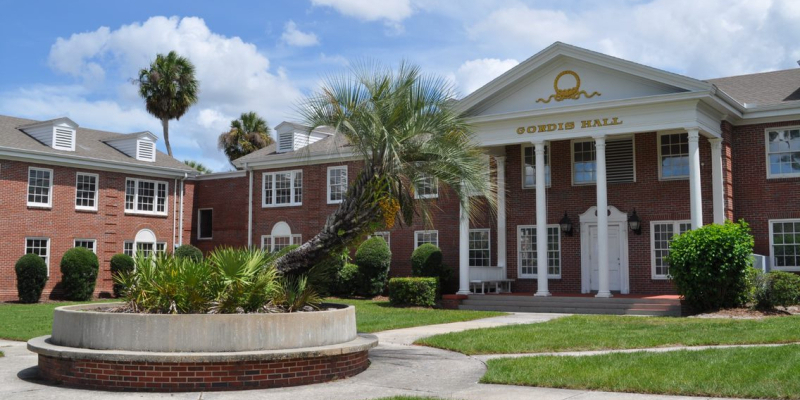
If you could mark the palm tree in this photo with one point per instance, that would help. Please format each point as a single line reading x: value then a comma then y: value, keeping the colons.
x: 404, y: 127
x: 169, y: 88
x: 247, y: 134
x: 202, y: 169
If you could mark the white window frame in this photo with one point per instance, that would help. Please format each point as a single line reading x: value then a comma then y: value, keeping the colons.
x: 548, y: 160
x: 435, y: 186
x: 660, y: 172
x: 772, y: 245
x: 47, y: 248
x: 519, y: 253
x: 770, y: 175
x: 155, y: 197
x: 386, y: 235
x: 330, y: 185
x: 93, y: 241
x: 572, y: 161
x: 296, y: 238
x: 132, y: 251
x: 676, y: 230
x: 160, y: 247
x: 417, y: 233
x: 49, y: 203
x: 292, y: 184
x: 488, y: 242
x: 96, y: 190
x: 199, y: 224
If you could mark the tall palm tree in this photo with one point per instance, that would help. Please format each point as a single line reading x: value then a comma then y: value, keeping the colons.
x: 169, y: 88
x: 202, y: 169
x: 247, y: 134
x: 404, y: 127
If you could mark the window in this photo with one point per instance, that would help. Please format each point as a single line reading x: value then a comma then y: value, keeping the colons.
x: 337, y: 184
x: 90, y: 244
x: 529, y: 166
x: 40, y: 187
x: 422, y: 237
x: 674, y: 155
x: 785, y: 244
x: 145, y: 197
x: 480, y: 254
x: 427, y: 188
x: 161, y: 247
x: 527, y: 256
x: 127, y: 248
x: 661, y: 234
x: 783, y: 153
x: 387, y: 237
x: 283, y: 188
x: 40, y: 247
x: 276, y: 243
x: 85, y: 191
x: 205, y: 223
x: 584, y: 162
x: 620, y: 164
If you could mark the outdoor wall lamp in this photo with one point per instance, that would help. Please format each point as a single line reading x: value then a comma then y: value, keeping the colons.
x: 635, y: 223
x: 566, y: 225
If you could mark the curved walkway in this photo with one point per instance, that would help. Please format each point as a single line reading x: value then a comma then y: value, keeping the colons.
x: 398, y: 368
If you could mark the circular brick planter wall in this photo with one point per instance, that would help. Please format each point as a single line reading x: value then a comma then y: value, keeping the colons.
x: 134, y: 369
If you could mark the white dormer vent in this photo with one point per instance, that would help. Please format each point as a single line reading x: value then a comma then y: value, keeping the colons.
x: 145, y: 151
x: 58, y: 133
x: 292, y: 136
x: 64, y: 139
x: 285, y: 142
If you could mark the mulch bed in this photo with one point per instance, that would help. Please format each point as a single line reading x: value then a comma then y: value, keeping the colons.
x: 747, y: 313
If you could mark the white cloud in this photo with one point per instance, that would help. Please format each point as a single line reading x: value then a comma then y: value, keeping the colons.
x: 295, y: 37
x: 473, y: 74
x: 391, y: 12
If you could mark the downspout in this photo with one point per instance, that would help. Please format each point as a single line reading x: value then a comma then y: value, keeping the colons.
x: 250, y: 209
x: 174, y: 214
x: 180, y: 225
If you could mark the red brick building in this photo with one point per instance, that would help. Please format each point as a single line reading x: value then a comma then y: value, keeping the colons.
x: 63, y: 186
x: 567, y: 132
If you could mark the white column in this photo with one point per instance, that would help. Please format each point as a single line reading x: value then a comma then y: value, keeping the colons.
x: 695, y: 188
x: 501, y: 211
x: 602, y: 218
x: 463, y: 253
x: 541, y: 222
x: 716, y: 180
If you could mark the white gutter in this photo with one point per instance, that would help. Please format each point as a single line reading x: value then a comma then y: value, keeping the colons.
x: 250, y: 209
x: 174, y: 207
x: 183, y: 189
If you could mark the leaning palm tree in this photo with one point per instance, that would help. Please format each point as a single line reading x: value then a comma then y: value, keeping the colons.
x: 202, y: 169
x: 247, y: 134
x: 404, y: 128
x: 169, y: 88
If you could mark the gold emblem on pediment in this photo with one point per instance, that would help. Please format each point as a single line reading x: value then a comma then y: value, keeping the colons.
x: 573, y: 93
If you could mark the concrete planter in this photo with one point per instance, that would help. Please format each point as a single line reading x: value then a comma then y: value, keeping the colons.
x: 83, y: 327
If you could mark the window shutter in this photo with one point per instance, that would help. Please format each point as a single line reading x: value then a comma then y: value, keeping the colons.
x: 64, y: 139
x: 619, y: 161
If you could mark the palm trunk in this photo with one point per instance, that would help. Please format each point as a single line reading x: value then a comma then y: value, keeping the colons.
x: 165, y: 125
x: 353, y: 217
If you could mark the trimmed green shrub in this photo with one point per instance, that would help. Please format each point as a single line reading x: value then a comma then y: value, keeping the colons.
x: 776, y: 288
x: 426, y: 261
x: 120, y: 263
x: 190, y: 252
x: 346, y: 280
x: 709, y: 266
x: 79, y: 269
x: 412, y: 291
x: 373, y: 258
x: 31, y: 277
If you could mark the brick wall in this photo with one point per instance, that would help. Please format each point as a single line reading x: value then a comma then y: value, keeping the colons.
x: 228, y: 200
x: 62, y: 223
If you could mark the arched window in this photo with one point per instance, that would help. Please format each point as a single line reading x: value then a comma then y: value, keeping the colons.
x: 145, y: 242
x: 280, y: 237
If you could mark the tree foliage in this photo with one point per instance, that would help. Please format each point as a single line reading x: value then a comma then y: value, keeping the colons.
x: 247, y: 134
x: 199, y: 167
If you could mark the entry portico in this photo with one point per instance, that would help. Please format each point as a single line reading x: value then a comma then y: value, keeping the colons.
x: 600, y: 105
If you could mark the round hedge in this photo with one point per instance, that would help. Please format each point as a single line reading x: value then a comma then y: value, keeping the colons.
x: 120, y: 263
x: 785, y: 288
x: 79, y: 268
x: 31, y: 277
x: 373, y: 258
x: 190, y: 252
x: 426, y: 261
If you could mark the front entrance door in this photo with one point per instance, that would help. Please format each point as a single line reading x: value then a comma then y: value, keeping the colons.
x: 614, y: 258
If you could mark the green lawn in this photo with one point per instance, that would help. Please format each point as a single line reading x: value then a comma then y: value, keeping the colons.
x: 766, y: 372
x: 598, y: 332
x: 374, y: 316
x: 26, y: 321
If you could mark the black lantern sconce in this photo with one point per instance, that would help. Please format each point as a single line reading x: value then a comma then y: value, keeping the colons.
x: 635, y: 223
x: 566, y: 225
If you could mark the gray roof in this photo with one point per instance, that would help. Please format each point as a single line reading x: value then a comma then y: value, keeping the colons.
x: 333, y: 145
x: 762, y: 89
x: 89, y: 144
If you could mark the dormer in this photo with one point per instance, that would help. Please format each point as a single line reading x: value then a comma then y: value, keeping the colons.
x: 141, y: 146
x: 292, y: 136
x: 57, y: 133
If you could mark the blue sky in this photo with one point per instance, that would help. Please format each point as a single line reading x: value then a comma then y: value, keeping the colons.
x: 76, y: 58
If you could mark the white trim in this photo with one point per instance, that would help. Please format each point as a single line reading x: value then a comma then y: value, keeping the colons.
x: 292, y: 187
x: 676, y: 230
x: 200, y: 223
x: 522, y: 164
x: 295, y: 238
x: 772, y: 244
x: 49, y: 203
x: 431, y: 195
x: 328, y: 182
x: 488, y: 241
x: 155, y: 198
x: 47, y: 257
x: 416, y: 238
x: 519, y: 251
x: 658, y: 160
x: 94, y: 243
x: 96, y: 191
x: 766, y: 150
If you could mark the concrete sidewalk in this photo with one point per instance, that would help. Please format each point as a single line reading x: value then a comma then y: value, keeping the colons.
x: 397, y: 369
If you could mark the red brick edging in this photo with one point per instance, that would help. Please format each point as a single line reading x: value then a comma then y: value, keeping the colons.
x: 189, y: 376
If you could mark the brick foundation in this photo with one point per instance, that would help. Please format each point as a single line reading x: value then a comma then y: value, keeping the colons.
x: 452, y: 301
x: 187, y: 377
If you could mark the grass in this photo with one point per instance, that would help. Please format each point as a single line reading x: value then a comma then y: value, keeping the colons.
x: 374, y: 316
x: 408, y: 398
x: 766, y: 372
x: 595, y: 332
x: 27, y: 321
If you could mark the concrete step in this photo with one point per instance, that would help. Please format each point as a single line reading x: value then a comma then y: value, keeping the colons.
x: 557, y: 310
x: 567, y: 304
x: 573, y: 305
x: 560, y: 299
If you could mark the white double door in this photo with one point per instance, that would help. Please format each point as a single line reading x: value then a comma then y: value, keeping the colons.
x: 615, y: 258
